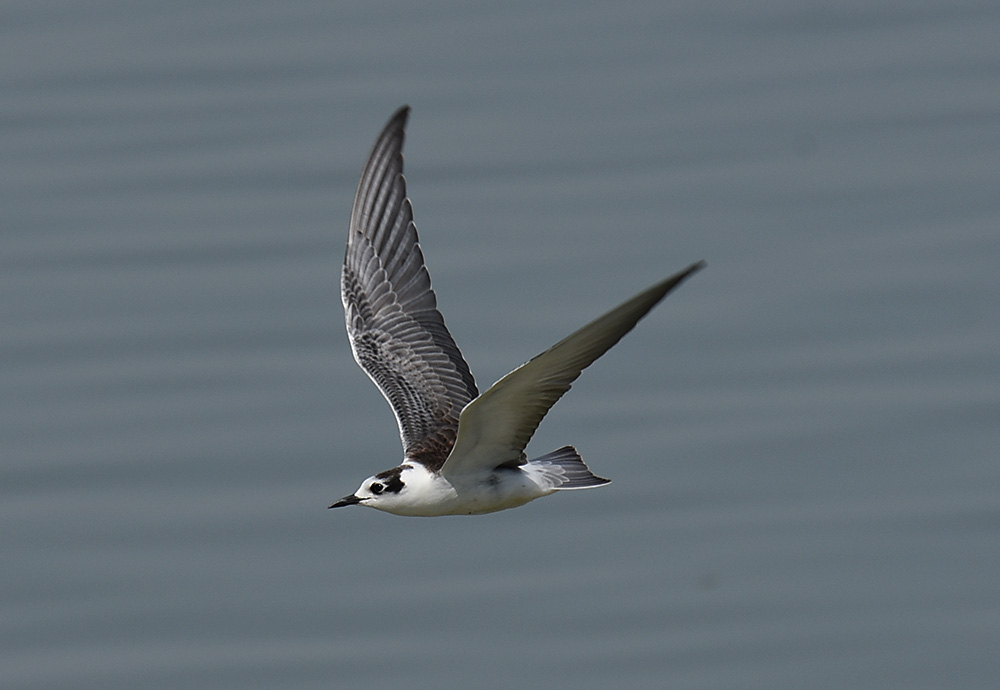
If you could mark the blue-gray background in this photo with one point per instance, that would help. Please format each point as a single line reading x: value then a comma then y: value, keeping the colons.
x: 803, y: 439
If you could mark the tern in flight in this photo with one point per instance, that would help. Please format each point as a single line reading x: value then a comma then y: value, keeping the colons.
x: 463, y: 451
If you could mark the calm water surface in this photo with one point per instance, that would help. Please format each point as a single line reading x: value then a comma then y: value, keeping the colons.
x: 803, y: 439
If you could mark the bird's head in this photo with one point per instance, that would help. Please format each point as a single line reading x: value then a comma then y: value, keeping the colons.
x: 403, y: 490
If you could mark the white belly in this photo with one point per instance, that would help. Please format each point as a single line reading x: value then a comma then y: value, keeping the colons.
x: 471, y: 495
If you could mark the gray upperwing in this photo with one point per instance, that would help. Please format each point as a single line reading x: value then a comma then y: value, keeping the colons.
x: 397, y: 335
x: 496, y: 426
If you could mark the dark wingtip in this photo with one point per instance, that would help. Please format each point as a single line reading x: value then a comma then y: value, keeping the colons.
x: 693, y: 268
x: 400, y: 116
x: 662, y: 288
x: 395, y: 128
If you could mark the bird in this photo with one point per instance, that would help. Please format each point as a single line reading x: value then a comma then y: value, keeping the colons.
x: 464, y: 452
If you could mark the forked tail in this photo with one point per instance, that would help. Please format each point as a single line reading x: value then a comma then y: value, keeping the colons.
x: 563, y: 469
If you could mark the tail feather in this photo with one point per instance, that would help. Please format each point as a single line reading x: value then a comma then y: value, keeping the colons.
x: 564, y: 469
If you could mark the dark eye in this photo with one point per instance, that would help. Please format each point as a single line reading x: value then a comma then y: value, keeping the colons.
x: 375, y: 488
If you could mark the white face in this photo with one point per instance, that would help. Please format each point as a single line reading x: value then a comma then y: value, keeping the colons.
x: 404, y: 490
x: 380, y: 488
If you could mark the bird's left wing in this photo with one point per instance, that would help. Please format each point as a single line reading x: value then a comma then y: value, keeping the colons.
x: 495, y: 427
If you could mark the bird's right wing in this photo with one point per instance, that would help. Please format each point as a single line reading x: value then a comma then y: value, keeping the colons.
x: 495, y: 427
x: 397, y: 334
